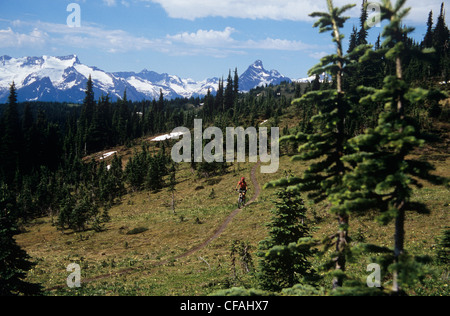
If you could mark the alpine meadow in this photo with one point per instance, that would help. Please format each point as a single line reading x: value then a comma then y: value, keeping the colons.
x: 103, y: 191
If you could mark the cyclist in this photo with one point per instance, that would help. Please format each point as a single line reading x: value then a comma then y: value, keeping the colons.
x: 242, y: 187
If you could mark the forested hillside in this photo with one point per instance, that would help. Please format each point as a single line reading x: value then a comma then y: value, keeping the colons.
x: 357, y: 146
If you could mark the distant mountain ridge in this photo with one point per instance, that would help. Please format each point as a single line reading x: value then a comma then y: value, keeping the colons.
x: 63, y: 79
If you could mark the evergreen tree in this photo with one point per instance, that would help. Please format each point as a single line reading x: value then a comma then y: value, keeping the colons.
x: 209, y: 106
x: 85, y: 209
x: 441, y: 34
x: 298, y: 91
x: 66, y: 205
x: 136, y: 170
x: 315, y: 84
x: 99, y: 130
x: 353, y: 40
x: 285, y: 254
x: 28, y: 160
x: 172, y: 184
x: 160, y: 107
x: 441, y: 43
x: 378, y: 43
x: 122, y: 120
x: 156, y: 172
x: 228, y: 101
x: 218, y: 101
x: 361, y: 39
x: 89, y: 102
x: 11, y: 139
x: 14, y: 261
x: 443, y: 247
x: 86, y: 117
x: 428, y: 39
x: 236, y: 84
x: 115, y: 180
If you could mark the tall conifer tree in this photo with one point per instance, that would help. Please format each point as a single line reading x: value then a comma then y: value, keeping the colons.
x: 229, y: 93
x: 11, y: 140
x: 441, y: 42
x: 362, y: 34
x: 218, y: 101
x: 428, y: 39
x: 353, y: 40
x: 86, y: 117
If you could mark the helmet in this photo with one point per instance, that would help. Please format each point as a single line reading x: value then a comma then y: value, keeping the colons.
x: 242, y: 179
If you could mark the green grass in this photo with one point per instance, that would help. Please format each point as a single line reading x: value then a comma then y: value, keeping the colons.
x: 143, y: 263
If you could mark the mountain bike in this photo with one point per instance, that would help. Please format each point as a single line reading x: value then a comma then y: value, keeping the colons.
x: 242, y: 198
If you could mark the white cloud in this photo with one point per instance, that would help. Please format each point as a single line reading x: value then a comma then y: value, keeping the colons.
x: 252, y: 9
x: 9, y: 38
x: 295, y: 10
x: 110, y: 3
x: 318, y: 55
x: 87, y: 36
x: 223, y: 39
x: 210, y: 38
x: 277, y: 44
x: 113, y: 3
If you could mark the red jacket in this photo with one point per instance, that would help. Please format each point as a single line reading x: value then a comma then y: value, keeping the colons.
x: 242, y: 185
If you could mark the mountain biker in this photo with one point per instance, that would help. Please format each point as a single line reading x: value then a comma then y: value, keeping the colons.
x: 242, y: 186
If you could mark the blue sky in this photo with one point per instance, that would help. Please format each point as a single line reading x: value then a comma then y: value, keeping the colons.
x: 189, y: 38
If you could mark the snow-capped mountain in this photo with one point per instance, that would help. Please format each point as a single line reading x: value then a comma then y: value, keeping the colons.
x: 63, y: 79
x: 257, y: 76
x: 49, y: 78
x: 149, y: 83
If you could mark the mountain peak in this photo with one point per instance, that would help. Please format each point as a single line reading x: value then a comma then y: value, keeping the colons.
x: 70, y: 57
x: 258, y: 64
x: 257, y: 76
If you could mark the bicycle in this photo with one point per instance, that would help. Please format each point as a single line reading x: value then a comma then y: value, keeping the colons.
x: 242, y: 198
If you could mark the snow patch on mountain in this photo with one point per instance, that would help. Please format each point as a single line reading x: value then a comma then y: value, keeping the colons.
x: 322, y: 78
x: 167, y: 136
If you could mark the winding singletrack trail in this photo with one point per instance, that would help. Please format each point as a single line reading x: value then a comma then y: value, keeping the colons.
x: 230, y: 217
x: 216, y: 234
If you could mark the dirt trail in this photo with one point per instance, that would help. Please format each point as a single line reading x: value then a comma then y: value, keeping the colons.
x: 230, y: 217
x: 217, y: 233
